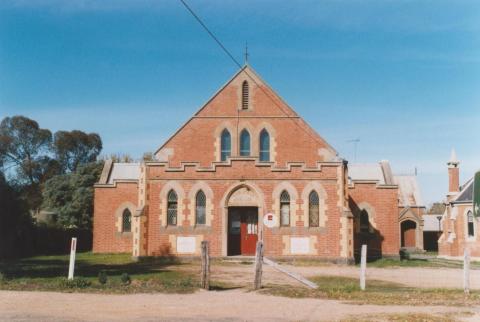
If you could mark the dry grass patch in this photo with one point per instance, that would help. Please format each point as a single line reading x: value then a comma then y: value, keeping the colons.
x: 377, y: 292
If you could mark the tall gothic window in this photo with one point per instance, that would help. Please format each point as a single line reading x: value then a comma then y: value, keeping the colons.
x: 364, y: 222
x: 244, y: 143
x: 245, y: 95
x: 226, y: 145
x: 172, y: 205
x: 284, y: 209
x: 313, y: 209
x: 200, y: 203
x: 471, y: 227
x: 264, y: 146
x: 126, y: 221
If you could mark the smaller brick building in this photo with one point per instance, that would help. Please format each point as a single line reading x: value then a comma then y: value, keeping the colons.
x: 243, y: 156
x: 388, y: 209
x: 460, y: 227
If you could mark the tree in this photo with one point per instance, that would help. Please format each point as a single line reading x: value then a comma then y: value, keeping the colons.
x: 25, y: 147
x: 15, y: 222
x: 75, y: 148
x: 118, y: 157
x: 148, y: 156
x: 71, y: 195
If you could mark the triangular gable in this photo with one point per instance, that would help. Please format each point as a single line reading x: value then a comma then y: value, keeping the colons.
x: 279, y: 106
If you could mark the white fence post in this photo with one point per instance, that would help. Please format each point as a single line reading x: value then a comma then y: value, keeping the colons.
x: 363, y: 267
x: 71, y: 266
x: 466, y: 271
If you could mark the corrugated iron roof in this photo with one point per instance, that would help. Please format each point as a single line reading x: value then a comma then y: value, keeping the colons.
x: 366, y: 171
x: 409, y: 191
x: 124, y: 171
x: 431, y: 223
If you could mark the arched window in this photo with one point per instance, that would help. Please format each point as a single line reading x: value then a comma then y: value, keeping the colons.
x: 200, y: 204
x: 226, y: 145
x: 284, y: 209
x: 245, y: 95
x: 126, y: 221
x: 471, y: 227
x: 264, y: 146
x: 172, y: 202
x: 244, y: 143
x: 313, y: 209
x: 364, y: 222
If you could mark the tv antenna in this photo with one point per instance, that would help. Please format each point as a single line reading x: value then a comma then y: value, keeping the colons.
x: 355, y: 144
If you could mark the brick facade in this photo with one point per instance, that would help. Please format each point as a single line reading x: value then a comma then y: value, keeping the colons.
x: 459, y: 226
x: 381, y: 204
x: 300, y: 163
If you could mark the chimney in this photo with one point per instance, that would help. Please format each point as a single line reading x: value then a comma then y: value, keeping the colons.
x: 453, y: 174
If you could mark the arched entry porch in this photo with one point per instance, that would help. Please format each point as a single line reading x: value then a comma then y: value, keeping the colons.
x: 243, y: 206
x: 408, y: 234
x: 411, y: 229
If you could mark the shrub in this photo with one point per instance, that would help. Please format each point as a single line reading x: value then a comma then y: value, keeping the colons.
x: 125, y: 278
x: 2, y: 278
x: 102, y: 277
x: 404, y: 254
x: 77, y: 282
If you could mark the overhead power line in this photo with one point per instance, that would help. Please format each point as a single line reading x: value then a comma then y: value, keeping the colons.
x: 240, y: 66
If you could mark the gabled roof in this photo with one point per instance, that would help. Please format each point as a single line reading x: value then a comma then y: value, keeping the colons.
x: 466, y: 193
x: 366, y: 172
x: 409, y: 191
x: 124, y: 171
x: 285, y: 111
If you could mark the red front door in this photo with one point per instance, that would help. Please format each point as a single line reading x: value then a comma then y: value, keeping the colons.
x: 242, y: 230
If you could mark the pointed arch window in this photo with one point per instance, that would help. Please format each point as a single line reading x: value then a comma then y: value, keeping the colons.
x: 225, y: 145
x: 470, y: 224
x: 244, y: 143
x: 245, y: 95
x: 284, y: 209
x: 172, y: 205
x: 264, y: 146
x: 126, y: 221
x: 200, y: 205
x: 313, y: 209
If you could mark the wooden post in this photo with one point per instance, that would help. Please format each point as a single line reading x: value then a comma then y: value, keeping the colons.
x: 258, y: 266
x: 73, y: 250
x: 466, y: 271
x: 363, y: 267
x: 205, y: 275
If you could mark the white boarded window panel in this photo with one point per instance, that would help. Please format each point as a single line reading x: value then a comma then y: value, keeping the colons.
x: 186, y: 245
x: 299, y: 245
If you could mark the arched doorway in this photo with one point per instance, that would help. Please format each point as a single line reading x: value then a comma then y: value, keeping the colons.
x: 242, y: 228
x: 408, y: 234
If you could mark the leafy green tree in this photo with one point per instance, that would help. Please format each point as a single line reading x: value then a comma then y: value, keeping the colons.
x: 71, y: 195
x: 75, y: 148
x: 15, y: 222
x: 25, y: 148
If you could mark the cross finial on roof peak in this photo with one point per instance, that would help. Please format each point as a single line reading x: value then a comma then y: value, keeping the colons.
x: 246, y: 53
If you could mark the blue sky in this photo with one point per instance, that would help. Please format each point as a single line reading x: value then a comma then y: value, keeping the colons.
x: 402, y: 76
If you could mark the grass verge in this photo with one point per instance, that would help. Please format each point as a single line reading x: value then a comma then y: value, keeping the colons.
x: 47, y: 273
x: 377, y: 292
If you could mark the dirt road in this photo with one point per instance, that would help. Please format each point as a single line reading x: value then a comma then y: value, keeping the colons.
x: 232, y: 305
x: 422, y: 277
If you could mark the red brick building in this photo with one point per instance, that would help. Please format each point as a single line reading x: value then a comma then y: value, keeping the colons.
x: 459, y: 226
x: 244, y: 155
